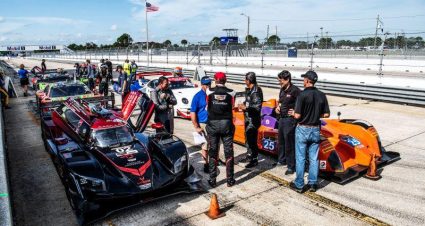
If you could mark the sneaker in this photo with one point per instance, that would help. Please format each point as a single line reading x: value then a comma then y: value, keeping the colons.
x: 252, y: 163
x: 231, y: 182
x: 206, y: 168
x: 295, y: 188
x: 289, y: 172
x: 312, y: 187
x: 212, y: 183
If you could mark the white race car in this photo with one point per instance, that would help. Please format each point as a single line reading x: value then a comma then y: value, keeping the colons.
x: 184, y: 91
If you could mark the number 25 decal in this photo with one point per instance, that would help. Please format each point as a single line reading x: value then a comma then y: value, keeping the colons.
x: 268, y: 144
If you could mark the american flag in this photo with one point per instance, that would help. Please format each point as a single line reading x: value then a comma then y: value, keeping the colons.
x: 151, y: 8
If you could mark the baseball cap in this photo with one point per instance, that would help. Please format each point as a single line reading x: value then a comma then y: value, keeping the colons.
x: 310, y: 75
x: 205, y: 80
x: 220, y: 76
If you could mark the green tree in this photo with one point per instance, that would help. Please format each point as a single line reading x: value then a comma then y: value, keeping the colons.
x: 272, y: 40
x: 176, y: 46
x: 251, y: 40
x: 167, y: 43
x: 124, y: 40
x: 215, y: 41
x: 340, y: 43
x: 299, y: 44
x: 184, y: 42
x: 369, y: 41
x: 325, y: 43
x: 91, y: 45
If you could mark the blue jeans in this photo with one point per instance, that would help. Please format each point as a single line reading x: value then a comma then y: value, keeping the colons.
x: 307, y: 140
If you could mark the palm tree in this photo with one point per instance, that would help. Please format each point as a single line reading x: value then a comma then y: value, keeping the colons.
x: 167, y: 43
x: 215, y: 41
x: 184, y: 42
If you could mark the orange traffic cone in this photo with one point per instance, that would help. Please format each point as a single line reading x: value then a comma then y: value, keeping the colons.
x: 214, y: 211
x: 371, y: 172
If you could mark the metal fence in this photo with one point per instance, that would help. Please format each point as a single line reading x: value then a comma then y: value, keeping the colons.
x: 398, y: 95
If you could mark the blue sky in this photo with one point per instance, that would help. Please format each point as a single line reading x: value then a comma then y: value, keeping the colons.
x: 102, y: 21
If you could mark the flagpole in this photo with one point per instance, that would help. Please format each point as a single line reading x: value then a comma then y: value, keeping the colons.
x: 147, y: 33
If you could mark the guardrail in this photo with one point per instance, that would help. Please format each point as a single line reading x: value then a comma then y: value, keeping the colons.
x: 398, y: 95
x: 5, y: 207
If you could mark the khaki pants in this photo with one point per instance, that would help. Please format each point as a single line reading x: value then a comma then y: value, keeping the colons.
x: 204, y: 145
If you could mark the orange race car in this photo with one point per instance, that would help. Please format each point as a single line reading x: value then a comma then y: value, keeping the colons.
x: 349, y: 148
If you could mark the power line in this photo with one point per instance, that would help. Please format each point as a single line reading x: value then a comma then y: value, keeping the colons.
x: 339, y: 19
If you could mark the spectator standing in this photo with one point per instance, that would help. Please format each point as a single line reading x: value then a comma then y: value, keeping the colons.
x: 109, y: 65
x: 24, y: 80
x: 122, y: 82
x: 220, y: 127
x: 43, y: 66
x: 287, y: 123
x: 311, y: 105
x: 252, y: 112
x: 126, y: 67
x: 164, y: 101
x: 3, y: 92
x: 91, y: 74
x: 133, y: 70
x: 199, y: 115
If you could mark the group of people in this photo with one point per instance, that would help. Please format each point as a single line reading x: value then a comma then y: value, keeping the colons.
x: 299, y: 115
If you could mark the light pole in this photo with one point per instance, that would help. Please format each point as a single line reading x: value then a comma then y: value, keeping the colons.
x: 247, y: 34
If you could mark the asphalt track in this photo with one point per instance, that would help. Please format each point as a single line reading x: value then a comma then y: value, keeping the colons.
x: 261, y: 196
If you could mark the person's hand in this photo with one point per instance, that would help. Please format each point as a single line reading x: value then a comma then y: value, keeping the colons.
x: 199, y: 130
x: 291, y: 112
x: 242, y: 107
x: 162, y: 96
x: 277, y: 110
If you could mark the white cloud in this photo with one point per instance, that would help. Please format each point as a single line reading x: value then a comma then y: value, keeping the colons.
x: 1, y: 19
x: 114, y: 27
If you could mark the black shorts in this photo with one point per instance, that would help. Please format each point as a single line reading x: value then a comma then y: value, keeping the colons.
x: 25, y: 81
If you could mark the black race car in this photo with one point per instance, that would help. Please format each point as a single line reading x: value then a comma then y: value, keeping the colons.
x: 107, y: 162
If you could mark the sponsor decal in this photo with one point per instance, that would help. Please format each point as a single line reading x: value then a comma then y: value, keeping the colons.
x: 322, y: 164
x: 125, y: 152
x: 220, y: 97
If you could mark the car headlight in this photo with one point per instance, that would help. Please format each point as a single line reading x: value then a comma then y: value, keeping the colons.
x: 353, y: 142
x: 90, y: 183
x: 185, y: 100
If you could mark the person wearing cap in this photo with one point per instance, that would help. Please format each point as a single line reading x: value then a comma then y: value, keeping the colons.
x: 252, y: 112
x: 178, y: 72
x: 199, y: 115
x: 133, y: 70
x: 164, y: 100
x: 220, y: 127
x: 311, y: 105
x: 287, y: 123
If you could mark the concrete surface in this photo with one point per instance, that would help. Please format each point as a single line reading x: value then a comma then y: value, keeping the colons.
x: 260, y: 197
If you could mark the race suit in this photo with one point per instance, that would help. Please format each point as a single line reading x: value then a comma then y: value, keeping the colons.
x: 253, y: 102
x: 164, y: 101
x: 220, y: 127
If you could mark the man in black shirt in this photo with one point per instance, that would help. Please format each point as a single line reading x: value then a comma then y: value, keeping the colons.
x: 310, y: 107
x: 252, y: 110
x: 220, y: 127
x: 287, y: 98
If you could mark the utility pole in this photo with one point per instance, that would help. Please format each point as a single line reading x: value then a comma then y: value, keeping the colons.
x: 276, y: 38
x: 247, y: 34
x: 321, y: 32
x: 312, y: 53
x: 267, y: 37
x: 378, y: 21
x: 381, y: 55
x: 326, y: 40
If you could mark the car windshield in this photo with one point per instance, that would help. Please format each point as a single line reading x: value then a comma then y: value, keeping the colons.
x: 181, y: 84
x: 72, y: 90
x: 112, y: 137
